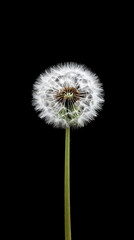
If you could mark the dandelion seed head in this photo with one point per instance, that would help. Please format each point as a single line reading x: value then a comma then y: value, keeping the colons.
x: 68, y: 95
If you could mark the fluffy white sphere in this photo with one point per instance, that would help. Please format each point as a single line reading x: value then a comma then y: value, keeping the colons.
x: 68, y: 95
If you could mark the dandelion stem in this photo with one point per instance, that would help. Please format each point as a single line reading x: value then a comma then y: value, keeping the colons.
x: 67, y: 186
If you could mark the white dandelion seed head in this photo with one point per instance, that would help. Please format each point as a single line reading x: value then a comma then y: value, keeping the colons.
x: 68, y: 95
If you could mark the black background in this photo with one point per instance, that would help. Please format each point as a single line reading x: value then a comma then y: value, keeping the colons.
x: 45, y: 36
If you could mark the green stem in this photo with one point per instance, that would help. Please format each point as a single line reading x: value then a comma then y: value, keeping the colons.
x: 67, y: 186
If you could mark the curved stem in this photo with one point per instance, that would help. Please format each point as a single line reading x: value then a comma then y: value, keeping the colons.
x: 67, y: 186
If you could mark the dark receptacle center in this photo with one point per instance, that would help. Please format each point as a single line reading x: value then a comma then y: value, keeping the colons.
x: 68, y: 96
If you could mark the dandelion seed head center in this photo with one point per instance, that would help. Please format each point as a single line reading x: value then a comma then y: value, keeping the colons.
x: 68, y: 94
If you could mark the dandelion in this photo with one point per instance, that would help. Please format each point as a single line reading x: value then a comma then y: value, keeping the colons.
x: 68, y: 96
